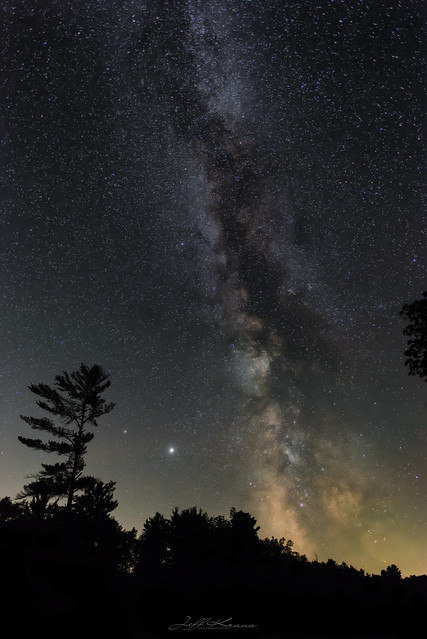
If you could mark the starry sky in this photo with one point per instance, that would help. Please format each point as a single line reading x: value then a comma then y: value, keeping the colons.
x: 219, y: 201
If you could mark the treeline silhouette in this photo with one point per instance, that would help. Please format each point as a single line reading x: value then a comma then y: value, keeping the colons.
x: 80, y: 574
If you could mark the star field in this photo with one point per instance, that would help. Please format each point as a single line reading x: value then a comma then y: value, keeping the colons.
x: 221, y: 204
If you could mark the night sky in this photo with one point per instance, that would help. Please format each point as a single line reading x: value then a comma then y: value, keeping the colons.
x: 219, y: 201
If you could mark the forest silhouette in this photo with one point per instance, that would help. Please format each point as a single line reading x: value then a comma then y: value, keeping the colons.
x: 70, y: 570
x: 82, y: 575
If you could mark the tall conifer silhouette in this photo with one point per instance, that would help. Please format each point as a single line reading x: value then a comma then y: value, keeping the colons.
x: 77, y: 403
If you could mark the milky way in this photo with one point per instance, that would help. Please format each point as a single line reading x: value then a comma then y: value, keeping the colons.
x: 220, y: 202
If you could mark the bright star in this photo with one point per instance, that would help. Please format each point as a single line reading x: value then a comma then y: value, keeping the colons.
x: 171, y: 450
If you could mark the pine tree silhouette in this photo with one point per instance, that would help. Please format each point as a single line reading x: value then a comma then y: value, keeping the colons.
x: 76, y: 400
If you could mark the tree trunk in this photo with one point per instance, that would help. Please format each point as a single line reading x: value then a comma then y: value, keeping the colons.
x: 76, y: 462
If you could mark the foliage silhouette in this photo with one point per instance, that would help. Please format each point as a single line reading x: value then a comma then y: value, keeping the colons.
x: 89, y: 576
x: 76, y: 400
x: 416, y: 331
x: 392, y: 572
x: 97, y: 498
x: 11, y: 511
